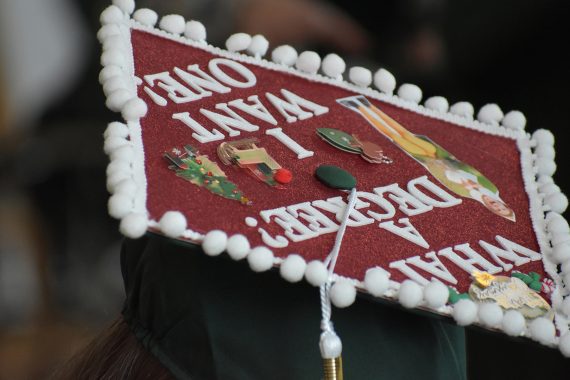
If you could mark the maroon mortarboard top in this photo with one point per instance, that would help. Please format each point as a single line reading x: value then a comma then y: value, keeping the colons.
x: 256, y: 159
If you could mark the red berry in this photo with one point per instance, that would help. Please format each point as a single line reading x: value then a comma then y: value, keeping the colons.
x: 210, y: 174
x: 283, y: 176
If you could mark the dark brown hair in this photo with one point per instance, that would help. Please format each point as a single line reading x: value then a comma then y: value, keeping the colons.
x: 114, y: 354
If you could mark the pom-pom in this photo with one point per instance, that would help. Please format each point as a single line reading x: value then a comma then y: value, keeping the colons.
x: 146, y: 16
x: 465, y: 312
x: 134, y: 109
x: 330, y: 345
x: 119, y: 205
x: 117, y: 99
x: 544, y: 179
x: 513, y: 323
x: 558, y: 202
x: 114, y: 42
x: 545, y: 151
x: 113, y: 57
x: 543, y: 137
x: 410, y: 92
x: 437, y: 103
x: 308, y: 62
x: 565, y: 269
x: 342, y: 293
x: 545, y: 166
x: 113, y: 84
x: 106, y: 31
x: 195, y: 31
x: 238, y: 247
x: 111, y: 15
x: 293, y: 268
x: 333, y: 66
x: 172, y: 224
x: 126, y: 187
x: 556, y: 223
x: 376, y: 281
x: 124, y: 153
x: 238, y: 42
x: 464, y: 109
x: 260, y: 259
x: 561, y: 252
x: 174, y: 24
x: 284, y: 55
x: 436, y: 294
x: 410, y: 294
x: 490, y: 314
x: 109, y: 71
x: 490, y: 114
x: 514, y: 120
x: 564, y: 344
x: 565, y: 307
x: 559, y: 238
x: 215, y: 242
x: 118, y: 166
x: 258, y: 46
x: 112, y: 143
x: 133, y: 225
x: 385, y: 81
x: 117, y: 129
x: 127, y: 6
x: 549, y: 188
x: 542, y: 330
x: 360, y: 76
x: 316, y: 273
x: 114, y: 179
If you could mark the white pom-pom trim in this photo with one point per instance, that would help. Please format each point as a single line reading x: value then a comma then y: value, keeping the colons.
x: 463, y: 109
x: 557, y: 202
x: 561, y: 252
x: 308, y: 62
x: 410, y: 294
x: 360, y: 76
x: 134, y: 225
x: 542, y: 330
x: 174, y: 24
x: 410, y: 92
x: 120, y: 205
x: 490, y: 114
x: 127, y: 6
x: 260, y: 259
x: 215, y: 242
x: 293, y: 268
x: 513, y: 323
x: 146, y: 17
x: 116, y: 128
x: 117, y: 99
x: 333, y: 66
x: 134, y: 109
x: 465, y: 312
x: 514, y: 120
x: 437, y: 103
x: 342, y: 293
x: 195, y: 31
x: 172, y: 224
x: 436, y: 294
x: 316, y: 273
x: 284, y: 55
x: 376, y: 281
x: 490, y: 314
x: 258, y: 46
x: 565, y: 307
x: 111, y: 15
x: 238, y: 42
x: 385, y: 81
x: 543, y: 136
x: 564, y: 344
x: 238, y: 246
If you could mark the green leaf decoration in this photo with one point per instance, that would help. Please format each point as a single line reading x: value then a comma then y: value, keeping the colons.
x: 455, y: 297
x: 339, y: 139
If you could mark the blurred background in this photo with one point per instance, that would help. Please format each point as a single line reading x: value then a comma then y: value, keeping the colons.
x: 59, y: 251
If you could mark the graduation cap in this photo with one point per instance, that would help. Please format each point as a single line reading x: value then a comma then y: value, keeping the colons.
x: 449, y: 214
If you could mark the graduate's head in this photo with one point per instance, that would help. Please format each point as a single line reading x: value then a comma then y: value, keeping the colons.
x: 498, y: 207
